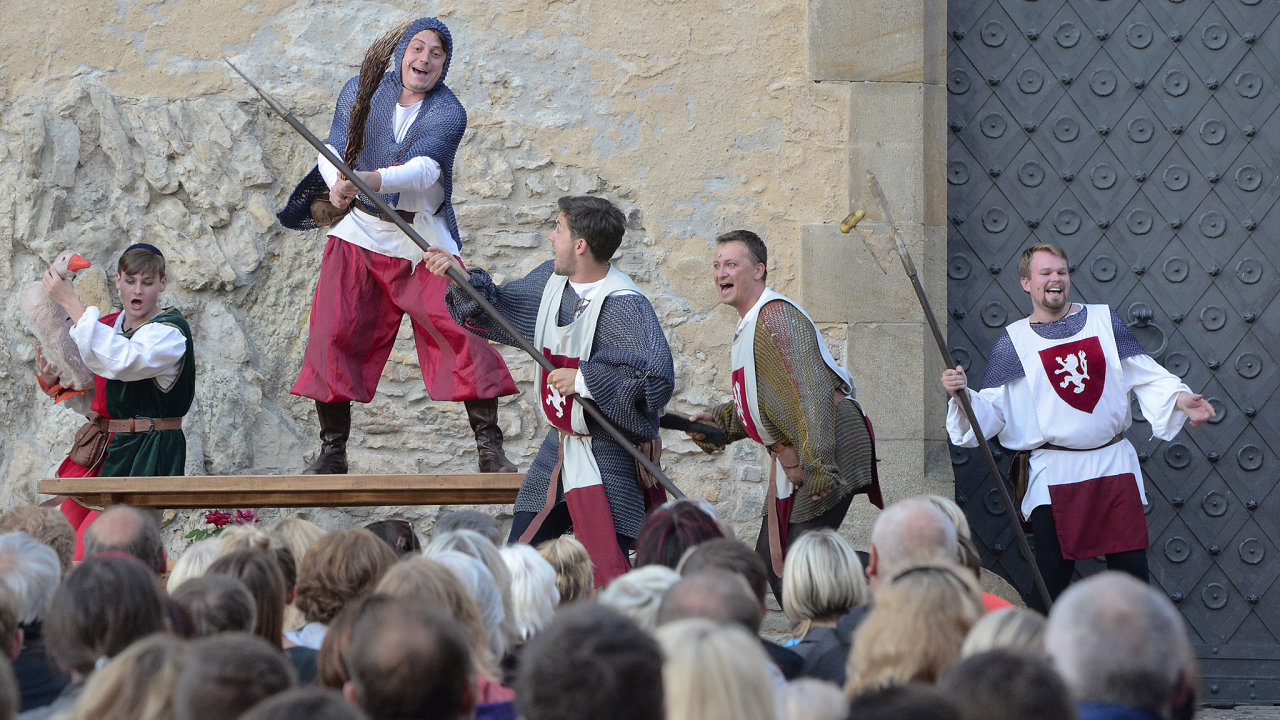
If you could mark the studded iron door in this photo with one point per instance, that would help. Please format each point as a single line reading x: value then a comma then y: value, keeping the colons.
x: 1142, y: 136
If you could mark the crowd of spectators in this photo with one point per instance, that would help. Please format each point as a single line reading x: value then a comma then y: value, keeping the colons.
x: 289, y: 621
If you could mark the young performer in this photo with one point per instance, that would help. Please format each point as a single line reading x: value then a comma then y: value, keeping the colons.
x: 1057, y: 386
x: 791, y: 396
x: 593, y: 323
x: 400, y: 131
x: 144, y: 371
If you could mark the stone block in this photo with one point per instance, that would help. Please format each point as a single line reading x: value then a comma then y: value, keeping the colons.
x: 878, y: 40
x: 886, y: 360
x: 840, y: 281
x: 898, y: 131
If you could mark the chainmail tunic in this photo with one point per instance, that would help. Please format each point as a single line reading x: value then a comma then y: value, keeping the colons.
x: 630, y: 375
x: 794, y: 387
x: 1003, y: 365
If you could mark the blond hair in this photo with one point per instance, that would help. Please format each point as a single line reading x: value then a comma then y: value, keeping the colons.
x: 1011, y: 627
x: 298, y: 535
x: 714, y: 672
x: 193, y: 562
x: 137, y: 684
x: 575, y: 577
x: 915, y: 628
x: 821, y: 580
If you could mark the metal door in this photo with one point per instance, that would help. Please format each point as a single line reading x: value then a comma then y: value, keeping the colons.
x: 1142, y: 136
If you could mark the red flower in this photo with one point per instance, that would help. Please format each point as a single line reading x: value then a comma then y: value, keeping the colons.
x: 217, y: 518
x: 245, y: 517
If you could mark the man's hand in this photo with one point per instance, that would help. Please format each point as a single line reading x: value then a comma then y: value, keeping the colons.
x: 344, y: 191
x: 49, y: 374
x: 1198, y: 410
x: 705, y: 418
x: 62, y: 292
x: 563, y: 380
x: 438, y: 261
x: 953, y: 381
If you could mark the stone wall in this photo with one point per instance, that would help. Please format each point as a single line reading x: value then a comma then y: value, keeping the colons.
x: 120, y: 123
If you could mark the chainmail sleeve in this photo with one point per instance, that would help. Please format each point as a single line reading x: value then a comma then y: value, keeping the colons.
x: 630, y: 373
x: 795, y: 391
x: 517, y: 300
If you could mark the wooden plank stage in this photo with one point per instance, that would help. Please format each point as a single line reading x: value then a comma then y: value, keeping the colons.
x: 245, y: 491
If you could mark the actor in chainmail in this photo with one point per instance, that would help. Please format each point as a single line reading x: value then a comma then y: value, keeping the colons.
x: 626, y: 369
x: 400, y: 131
x: 791, y: 396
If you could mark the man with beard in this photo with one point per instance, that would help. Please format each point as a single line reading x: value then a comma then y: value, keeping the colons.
x: 1057, y: 387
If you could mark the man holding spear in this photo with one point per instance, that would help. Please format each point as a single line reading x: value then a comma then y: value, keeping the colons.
x: 1057, y: 388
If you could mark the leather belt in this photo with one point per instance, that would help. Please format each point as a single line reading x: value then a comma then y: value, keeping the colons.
x: 375, y: 212
x: 138, y: 425
x: 1109, y: 443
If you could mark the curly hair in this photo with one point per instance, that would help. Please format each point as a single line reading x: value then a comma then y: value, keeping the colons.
x: 575, y: 577
x: 338, y: 568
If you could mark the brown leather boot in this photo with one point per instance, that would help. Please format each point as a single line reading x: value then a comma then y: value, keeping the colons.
x: 335, y: 428
x: 483, y: 416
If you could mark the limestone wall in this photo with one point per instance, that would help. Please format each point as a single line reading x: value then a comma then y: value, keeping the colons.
x: 119, y: 123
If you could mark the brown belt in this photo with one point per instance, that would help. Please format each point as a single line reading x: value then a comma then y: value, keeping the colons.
x: 404, y: 214
x: 139, y: 425
x: 1109, y: 443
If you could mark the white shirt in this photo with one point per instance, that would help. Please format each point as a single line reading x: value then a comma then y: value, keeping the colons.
x: 154, y: 351
x: 418, y: 183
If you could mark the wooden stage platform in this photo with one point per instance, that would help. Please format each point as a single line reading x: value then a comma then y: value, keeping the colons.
x: 252, y: 491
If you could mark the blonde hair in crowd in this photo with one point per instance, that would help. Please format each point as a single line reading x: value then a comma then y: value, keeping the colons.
x: 575, y: 577
x: 193, y: 562
x: 714, y: 672
x: 533, y: 590
x: 915, y: 628
x: 472, y: 543
x: 1011, y: 627
x: 811, y: 699
x: 297, y: 535
x: 822, y: 580
x: 137, y: 684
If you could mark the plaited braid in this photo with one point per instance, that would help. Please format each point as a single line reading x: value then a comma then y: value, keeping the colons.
x: 371, y: 72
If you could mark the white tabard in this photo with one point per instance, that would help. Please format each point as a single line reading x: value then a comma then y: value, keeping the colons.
x: 1075, y: 394
x: 583, y: 487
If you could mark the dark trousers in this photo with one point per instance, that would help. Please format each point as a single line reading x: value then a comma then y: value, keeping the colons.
x: 557, y: 523
x: 1057, y: 571
x: 830, y: 520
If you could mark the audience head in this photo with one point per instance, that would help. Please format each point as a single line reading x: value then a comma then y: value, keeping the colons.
x: 46, y: 525
x: 896, y: 702
x: 810, y: 699
x: 305, y: 703
x: 575, y: 576
x: 408, y: 662
x: 590, y: 662
x: 338, y: 568
x: 11, y: 635
x: 910, y: 532
x: 138, y: 684
x: 217, y: 603
x: 638, y: 594
x: 397, y: 534
x: 260, y: 573
x: 193, y: 562
x: 732, y: 555
x: 468, y: 520
x: 126, y: 606
x: 130, y: 531
x: 533, y: 589
x: 1007, y: 684
x: 1120, y: 641
x: 714, y: 672
x: 712, y: 594
x: 297, y: 535
x: 478, y: 585
x: 31, y: 572
x: 227, y: 674
x: 1013, y: 628
x: 821, y: 580
x: 915, y: 628
x: 470, y: 542
x: 249, y: 537
x: 434, y: 583
x: 671, y: 530
x: 331, y: 658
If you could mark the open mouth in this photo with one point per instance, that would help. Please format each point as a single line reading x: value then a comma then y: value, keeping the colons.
x: 725, y: 288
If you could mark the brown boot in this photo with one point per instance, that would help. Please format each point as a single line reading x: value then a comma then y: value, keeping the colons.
x: 335, y: 428
x: 483, y: 416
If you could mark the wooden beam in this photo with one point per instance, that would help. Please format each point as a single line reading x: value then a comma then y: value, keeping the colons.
x: 245, y: 491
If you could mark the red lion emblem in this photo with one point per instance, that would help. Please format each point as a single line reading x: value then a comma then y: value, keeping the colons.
x: 1077, y: 371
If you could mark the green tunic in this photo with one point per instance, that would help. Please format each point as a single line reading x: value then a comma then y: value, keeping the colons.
x: 161, y: 452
